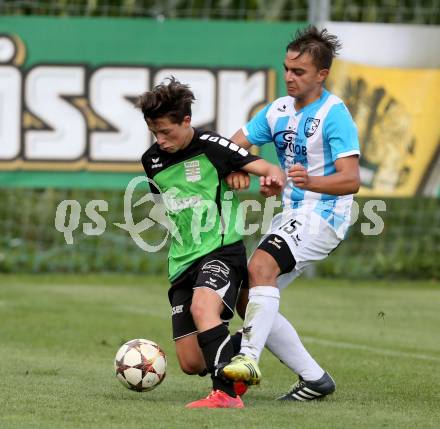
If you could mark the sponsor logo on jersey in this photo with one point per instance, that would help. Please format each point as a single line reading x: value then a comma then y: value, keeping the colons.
x: 174, y: 204
x: 283, y: 138
x: 311, y: 126
x: 192, y: 171
x: 293, y: 145
x: 295, y: 149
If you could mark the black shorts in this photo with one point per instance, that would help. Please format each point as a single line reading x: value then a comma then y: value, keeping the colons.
x: 223, y: 271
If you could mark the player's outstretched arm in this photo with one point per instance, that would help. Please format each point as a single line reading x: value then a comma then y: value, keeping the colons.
x: 239, y: 180
x: 272, y: 178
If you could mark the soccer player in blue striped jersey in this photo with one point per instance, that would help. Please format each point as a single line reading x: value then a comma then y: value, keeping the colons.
x: 317, y: 145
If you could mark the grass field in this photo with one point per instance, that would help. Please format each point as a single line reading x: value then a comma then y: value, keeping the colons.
x: 59, y: 335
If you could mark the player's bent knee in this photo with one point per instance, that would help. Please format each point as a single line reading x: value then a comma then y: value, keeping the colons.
x: 262, y: 271
x: 205, y: 303
x: 197, y: 310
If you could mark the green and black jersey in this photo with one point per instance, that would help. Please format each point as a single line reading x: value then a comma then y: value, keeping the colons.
x: 198, y: 200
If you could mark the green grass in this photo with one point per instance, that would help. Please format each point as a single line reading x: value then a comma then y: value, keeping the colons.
x: 59, y: 335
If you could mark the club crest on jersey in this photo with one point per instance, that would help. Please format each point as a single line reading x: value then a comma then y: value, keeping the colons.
x: 311, y: 126
x: 192, y: 171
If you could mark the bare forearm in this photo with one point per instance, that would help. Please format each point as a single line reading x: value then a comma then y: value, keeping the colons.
x: 335, y: 184
x: 262, y: 168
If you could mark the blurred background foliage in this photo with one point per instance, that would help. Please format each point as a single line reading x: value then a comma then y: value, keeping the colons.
x: 408, y: 246
x: 387, y: 11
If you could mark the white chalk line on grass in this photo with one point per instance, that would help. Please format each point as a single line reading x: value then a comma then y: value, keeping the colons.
x: 385, y: 352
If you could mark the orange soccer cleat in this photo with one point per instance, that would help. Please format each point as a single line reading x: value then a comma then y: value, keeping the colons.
x: 217, y: 399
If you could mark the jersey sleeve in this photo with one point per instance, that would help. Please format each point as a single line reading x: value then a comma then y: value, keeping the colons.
x: 340, y: 132
x: 257, y: 130
x: 226, y: 155
x: 146, y: 163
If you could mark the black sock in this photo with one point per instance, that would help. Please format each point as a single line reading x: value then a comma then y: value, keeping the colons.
x: 215, y: 344
x: 236, y: 342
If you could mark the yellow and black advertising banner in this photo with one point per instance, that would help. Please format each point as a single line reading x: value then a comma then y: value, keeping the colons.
x: 397, y: 112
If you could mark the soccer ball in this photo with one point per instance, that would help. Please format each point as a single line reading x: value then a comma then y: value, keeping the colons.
x: 140, y: 365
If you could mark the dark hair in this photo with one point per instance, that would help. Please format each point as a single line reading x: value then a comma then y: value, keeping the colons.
x: 172, y: 100
x: 321, y: 45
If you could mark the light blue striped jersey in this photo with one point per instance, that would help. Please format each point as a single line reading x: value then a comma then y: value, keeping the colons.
x: 315, y: 136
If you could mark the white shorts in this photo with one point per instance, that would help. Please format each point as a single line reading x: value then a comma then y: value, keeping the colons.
x: 309, y: 237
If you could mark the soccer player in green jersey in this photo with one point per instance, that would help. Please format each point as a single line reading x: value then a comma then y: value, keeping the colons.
x: 188, y: 167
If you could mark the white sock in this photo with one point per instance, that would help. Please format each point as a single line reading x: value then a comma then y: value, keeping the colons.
x: 260, y: 312
x: 283, y: 341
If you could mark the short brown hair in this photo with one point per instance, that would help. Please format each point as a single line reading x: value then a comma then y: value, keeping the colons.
x: 321, y: 45
x: 172, y: 100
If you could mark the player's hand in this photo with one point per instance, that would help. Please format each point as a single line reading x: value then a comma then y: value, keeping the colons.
x: 298, y: 174
x: 238, y: 180
x: 271, y: 185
